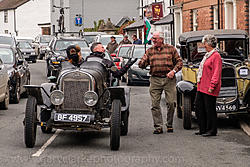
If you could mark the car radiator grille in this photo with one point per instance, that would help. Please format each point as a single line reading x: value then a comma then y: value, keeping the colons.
x: 228, y: 83
x: 74, y: 93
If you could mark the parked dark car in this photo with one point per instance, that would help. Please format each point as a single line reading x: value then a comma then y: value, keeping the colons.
x: 18, y: 71
x: 27, y: 51
x: 4, y: 86
x: 234, y: 96
x: 136, y: 75
x: 82, y: 98
x: 56, y: 52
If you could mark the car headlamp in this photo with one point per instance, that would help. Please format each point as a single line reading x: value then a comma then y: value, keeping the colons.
x: 57, y: 97
x: 243, y: 72
x: 90, y: 98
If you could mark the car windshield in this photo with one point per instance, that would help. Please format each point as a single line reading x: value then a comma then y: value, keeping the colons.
x: 123, y: 51
x: 232, y: 48
x: 229, y: 48
x: 138, y: 52
x: 6, y: 40
x: 45, y: 39
x: 24, y: 45
x: 62, y: 45
x: 6, y: 55
x: 106, y: 40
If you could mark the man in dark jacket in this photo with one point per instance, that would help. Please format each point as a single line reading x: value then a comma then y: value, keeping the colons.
x: 112, y: 45
x: 125, y: 40
x: 136, y: 40
x: 98, y: 54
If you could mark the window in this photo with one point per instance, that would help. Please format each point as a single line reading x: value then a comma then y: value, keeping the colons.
x: 195, y: 24
x: 167, y: 34
x: 230, y: 14
x: 215, y: 17
x: 6, y: 31
x: 6, y: 16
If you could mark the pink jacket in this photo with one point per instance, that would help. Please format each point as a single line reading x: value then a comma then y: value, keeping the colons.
x: 211, y: 75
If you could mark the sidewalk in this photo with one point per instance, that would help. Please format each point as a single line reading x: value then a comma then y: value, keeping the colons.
x: 245, y: 123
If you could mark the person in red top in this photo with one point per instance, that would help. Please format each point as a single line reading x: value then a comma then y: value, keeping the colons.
x: 208, y: 87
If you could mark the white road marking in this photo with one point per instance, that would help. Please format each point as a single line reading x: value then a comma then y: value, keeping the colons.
x: 51, y: 139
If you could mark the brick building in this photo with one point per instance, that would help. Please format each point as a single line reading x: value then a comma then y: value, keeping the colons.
x: 193, y: 15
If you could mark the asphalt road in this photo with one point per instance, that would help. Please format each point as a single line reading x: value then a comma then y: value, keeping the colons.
x: 140, y: 148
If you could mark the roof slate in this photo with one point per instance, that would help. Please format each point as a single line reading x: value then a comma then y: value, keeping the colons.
x: 11, y: 4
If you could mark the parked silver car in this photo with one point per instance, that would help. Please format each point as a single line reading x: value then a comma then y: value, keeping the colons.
x: 4, y: 87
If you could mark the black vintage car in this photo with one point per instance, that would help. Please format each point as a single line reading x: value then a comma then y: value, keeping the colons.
x: 18, y: 70
x: 234, y: 96
x: 82, y: 98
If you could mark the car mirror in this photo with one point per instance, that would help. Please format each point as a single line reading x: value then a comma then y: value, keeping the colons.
x: 117, y: 60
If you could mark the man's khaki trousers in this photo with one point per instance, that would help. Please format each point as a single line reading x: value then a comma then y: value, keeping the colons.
x: 157, y: 85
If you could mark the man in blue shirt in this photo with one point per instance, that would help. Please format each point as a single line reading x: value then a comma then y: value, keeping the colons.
x: 136, y: 40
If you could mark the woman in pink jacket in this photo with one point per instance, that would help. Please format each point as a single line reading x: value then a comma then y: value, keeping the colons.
x: 208, y: 87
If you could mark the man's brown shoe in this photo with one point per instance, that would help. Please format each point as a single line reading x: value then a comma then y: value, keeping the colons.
x: 158, y: 131
x: 170, y: 129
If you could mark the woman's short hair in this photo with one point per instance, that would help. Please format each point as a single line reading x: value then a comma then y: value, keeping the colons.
x: 211, y: 40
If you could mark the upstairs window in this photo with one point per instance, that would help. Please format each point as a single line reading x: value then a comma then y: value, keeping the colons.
x: 215, y: 18
x: 195, y: 24
x: 6, y: 16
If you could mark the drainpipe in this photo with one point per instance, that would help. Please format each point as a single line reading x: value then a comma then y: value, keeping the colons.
x: 15, y: 23
x: 218, y: 14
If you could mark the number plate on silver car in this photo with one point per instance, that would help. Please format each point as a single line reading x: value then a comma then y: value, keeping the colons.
x: 72, y: 117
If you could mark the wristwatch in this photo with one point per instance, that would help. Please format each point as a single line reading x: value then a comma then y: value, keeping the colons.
x: 174, y: 71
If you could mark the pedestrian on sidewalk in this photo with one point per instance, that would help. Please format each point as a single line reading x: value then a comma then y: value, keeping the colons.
x: 125, y: 40
x: 208, y: 88
x: 136, y: 40
x: 112, y: 45
x: 164, y: 62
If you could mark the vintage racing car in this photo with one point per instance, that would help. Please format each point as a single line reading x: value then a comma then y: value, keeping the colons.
x: 83, y: 98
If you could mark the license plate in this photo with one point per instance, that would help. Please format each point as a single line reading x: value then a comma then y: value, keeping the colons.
x: 226, y: 108
x: 72, y: 117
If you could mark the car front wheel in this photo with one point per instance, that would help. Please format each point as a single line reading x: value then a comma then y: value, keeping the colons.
x: 115, y: 129
x: 187, y: 112
x: 30, y: 122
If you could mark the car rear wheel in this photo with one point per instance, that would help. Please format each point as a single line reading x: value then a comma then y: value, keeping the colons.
x: 187, y: 112
x: 4, y: 105
x: 30, y: 122
x: 115, y: 129
x: 124, y: 122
